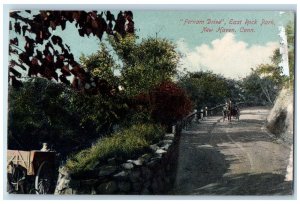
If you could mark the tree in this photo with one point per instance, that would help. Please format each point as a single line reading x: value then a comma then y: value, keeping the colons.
x: 145, y: 64
x: 169, y: 103
x: 44, y: 111
x: 44, y: 53
x: 260, y: 88
x: 209, y: 89
x: 101, y: 65
x: 263, y: 84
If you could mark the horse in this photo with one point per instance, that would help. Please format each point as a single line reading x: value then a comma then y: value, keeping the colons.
x: 235, y: 111
x: 225, y: 113
x: 229, y: 111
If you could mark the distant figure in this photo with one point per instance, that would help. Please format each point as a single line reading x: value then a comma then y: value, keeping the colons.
x: 236, y: 112
x: 229, y: 110
x: 206, y: 112
x: 45, y: 148
x: 224, y: 111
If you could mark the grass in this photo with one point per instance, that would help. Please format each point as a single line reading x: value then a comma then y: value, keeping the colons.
x: 126, y: 144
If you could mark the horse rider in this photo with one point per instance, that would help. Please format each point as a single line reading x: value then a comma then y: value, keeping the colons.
x: 229, y: 109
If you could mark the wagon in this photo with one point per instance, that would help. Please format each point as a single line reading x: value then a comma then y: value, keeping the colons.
x: 30, y: 171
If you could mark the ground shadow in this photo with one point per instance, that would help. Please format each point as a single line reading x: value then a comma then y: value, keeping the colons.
x: 248, y: 184
x: 199, y: 165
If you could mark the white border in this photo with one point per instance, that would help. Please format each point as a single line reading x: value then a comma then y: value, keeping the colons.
x: 151, y: 5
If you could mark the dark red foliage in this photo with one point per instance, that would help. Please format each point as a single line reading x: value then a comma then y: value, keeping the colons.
x: 169, y: 103
x: 46, y: 62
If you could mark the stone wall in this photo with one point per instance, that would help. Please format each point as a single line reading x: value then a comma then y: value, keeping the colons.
x: 150, y: 174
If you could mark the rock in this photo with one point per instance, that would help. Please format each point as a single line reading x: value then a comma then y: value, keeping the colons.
x: 153, y: 162
x: 136, y: 186
x: 147, y: 184
x: 169, y: 136
x: 145, y: 191
x: 111, y: 161
x: 107, y: 188
x: 164, y: 142
x: 93, y: 191
x: 74, y: 183
x: 63, y: 171
x: 146, y: 157
x: 89, y: 182
x: 84, y: 190
x: 154, y: 147
x: 160, y: 173
x: 146, y: 173
x: 157, y: 157
x: 167, y: 180
x: 124, y: 186
x: 107, y: 171
x: 127, y: 165
x: 157, y: 186
x: 134, y: 176
x: 160, y: 151
x: 68, y: 191
x: 137, y: 162
x: 134, y: 193
x: 63, y: 182
x: 168, y: 141
x: 166, y: 147
x: 121, y: 174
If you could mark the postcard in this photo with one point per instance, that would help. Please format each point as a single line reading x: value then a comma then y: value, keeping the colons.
x: 160, y: 102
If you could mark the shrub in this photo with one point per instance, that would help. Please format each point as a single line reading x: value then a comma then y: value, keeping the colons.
x: 43, y: 111
x: 124, y: 144
x: 169, y: 103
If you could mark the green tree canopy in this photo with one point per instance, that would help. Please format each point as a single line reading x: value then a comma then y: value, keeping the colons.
x: 146, y: 63
x: 208, y: 89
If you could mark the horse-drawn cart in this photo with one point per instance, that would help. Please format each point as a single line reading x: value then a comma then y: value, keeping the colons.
x: 30, y: 171
x: 229, y: 112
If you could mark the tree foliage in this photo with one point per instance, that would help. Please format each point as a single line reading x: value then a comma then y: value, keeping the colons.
x: 209, y: 89
x: 43, y: 111
x: 266, y: 80
x: 169, y: 103
x: 145, y: 64
x: 45, y: 53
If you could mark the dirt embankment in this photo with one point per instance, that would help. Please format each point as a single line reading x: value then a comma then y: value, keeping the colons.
x: 280, y: 121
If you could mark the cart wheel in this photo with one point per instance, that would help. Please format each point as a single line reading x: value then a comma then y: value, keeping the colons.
x: 16, y: 178
x: 44, y: 179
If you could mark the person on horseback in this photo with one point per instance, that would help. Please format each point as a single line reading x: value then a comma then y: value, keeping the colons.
x: 229, y: 109
x: 237, y: 112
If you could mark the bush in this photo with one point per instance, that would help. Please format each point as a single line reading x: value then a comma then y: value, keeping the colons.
x: 124, y: 144
x: 169, y: 103
x: 43, y: 111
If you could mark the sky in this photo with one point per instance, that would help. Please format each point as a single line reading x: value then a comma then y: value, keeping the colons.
x: 231, y: 54
x: 229, y: 43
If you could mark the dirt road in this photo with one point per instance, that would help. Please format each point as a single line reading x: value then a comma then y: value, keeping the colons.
x: 232, y: 158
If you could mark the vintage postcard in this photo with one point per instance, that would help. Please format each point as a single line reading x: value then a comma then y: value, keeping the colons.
x: 161, y: 102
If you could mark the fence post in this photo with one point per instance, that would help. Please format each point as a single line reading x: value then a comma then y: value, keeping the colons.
x: 195, y: 116
x: 174, y: 129
x: 201, y: 114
